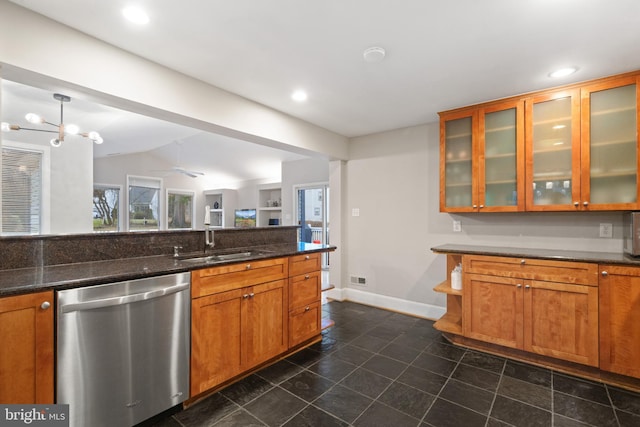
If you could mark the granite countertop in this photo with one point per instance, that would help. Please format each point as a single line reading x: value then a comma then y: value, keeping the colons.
x: 551, y: 254
x: 65, y: 276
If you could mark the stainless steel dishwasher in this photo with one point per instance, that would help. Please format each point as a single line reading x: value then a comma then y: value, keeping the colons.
x: 123, y: 350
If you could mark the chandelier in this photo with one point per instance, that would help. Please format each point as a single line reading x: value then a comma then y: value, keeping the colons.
x: 62, y: 129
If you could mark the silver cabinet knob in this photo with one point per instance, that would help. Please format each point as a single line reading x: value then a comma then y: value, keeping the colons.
x: 251, y: 295
x: 307, y: 257
x: 45, y: 305
x: 245, y: 296
x: 307, y: 277
x: 307, y: 308
x: 248, y: 267
x: 519, y: 285
x: 475, y: 206
x: 522, y: 262
x: 481, y: 206
x: 527, y: 286
x: 585, y: 203
x: 604, y: 273
x: 576, y: 204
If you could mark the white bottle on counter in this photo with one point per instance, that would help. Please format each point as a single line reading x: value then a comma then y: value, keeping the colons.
x: 456, y: 278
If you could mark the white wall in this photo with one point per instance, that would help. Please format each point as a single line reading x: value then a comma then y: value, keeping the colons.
x: 393, y: 179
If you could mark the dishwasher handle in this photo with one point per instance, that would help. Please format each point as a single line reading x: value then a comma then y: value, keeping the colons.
x: 125, y: 299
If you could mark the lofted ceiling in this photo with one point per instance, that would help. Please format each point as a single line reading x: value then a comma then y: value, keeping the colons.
x: 439, y: 54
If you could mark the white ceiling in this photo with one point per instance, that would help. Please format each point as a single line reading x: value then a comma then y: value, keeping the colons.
x: 440, y: 54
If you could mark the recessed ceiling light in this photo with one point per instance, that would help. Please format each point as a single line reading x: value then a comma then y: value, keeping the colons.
x: 136, y: 15
x: 563, y: 72
x: 299, y: 96
x: 374, y: 54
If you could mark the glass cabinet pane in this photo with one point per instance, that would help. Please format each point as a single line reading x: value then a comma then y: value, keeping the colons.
x: 552, y: 152
x: 458, y: 171
x: 500, y: 158
x: 613, y: 148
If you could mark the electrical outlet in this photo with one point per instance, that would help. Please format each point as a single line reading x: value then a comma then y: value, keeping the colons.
x: 355, y: 212
x: 457, y: 227
x: 606, y: 230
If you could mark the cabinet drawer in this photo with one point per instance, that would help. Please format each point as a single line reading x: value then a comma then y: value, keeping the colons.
x: 304, y: 289
x: 580, y: 273
x: 304, y: 323
x: 208, y: 281
x: 307, y: 263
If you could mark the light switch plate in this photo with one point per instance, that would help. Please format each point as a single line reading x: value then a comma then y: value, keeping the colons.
x: 457, y: 227
x: 355, y: 212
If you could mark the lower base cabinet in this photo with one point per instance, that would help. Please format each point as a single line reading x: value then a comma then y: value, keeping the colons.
x: 26, y: 349
x: 620, y: 320
x: 553, y: 319
x: 236, y: 330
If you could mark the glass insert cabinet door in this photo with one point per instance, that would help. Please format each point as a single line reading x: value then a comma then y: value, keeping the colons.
x: 553, y: 151
x: 457, y: 169
x: 501, y: 165
x: 610, y: 131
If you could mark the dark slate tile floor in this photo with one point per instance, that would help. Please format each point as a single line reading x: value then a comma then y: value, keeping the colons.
x: 379, y: 368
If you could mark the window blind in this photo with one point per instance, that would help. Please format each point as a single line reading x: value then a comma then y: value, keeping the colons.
x: 21, y: 191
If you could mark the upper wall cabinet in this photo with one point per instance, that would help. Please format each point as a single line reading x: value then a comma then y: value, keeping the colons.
x: 553, y: 151
x: 482, y: 159
x: 610, y: 160
x: 573, y: 148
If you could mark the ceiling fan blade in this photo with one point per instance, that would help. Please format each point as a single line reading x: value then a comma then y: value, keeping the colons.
x: 192, y: 174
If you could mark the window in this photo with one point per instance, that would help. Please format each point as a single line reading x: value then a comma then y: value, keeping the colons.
x: 144, y: 203
x: 180, y: 209
x: 106, y: 207
x: 22, y: 190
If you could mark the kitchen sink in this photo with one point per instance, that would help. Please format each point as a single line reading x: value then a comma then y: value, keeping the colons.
x: 230, y: 256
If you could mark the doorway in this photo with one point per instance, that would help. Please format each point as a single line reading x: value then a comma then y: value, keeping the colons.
x: 312, y: 214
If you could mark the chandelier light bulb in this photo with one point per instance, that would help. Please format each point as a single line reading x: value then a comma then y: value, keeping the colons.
x: 34, y: 118
x: 71, y: 129
x: 55, y: 142
x: 98, y: 140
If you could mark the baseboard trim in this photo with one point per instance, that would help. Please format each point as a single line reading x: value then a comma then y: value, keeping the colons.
x: 418, y: 309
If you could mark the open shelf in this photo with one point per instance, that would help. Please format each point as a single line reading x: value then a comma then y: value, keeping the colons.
x: 450, y: 322
x: 445, y: 288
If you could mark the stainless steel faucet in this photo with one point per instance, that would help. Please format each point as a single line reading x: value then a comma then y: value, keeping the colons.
x: 208, y: 237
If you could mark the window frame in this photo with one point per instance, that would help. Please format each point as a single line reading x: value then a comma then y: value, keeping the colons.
x: 176, y: 191
x: 131, y: 180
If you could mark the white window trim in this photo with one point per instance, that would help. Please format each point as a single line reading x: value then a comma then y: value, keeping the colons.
x: 149, y: 179
x: 193, y: 208
x: 120, y: 198
x: 45, y: 214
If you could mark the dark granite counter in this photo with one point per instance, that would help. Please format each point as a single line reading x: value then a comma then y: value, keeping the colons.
x: 64, y: 276
x: 551, y: 254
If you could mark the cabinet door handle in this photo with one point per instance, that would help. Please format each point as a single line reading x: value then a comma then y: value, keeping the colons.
x: 245, y: 296
x: 481, y: 206
x: 248, y: 267
x: 527, y: 286
x: 576, y: 204
x: 307, y: 308
x: 45, y: 305
x: 251, y: 295
x: 585, y: 203
x: 307, y: 277
x: 522, y: 262
x: 604, y: 273
x: 475, y: 206
x: 519, y: 285
x: 307, y: 257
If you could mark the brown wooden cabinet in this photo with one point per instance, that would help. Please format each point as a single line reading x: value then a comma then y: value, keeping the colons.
x: 26, y: 353
x: 238, y: 320
x: 543, y: 307
x: 619, y: 319
x: 580, y: 150
x: 305, y: 286
x: 482, y: 158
